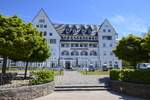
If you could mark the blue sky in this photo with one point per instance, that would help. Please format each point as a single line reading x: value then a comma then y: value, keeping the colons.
x: 127, y: 16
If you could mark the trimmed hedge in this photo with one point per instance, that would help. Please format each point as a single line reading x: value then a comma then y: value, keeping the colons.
x: 41, y: 77
x: 131, y: 75
x: 114, y: 74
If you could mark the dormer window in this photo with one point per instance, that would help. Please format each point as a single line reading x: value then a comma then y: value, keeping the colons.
x: 74, y: 31
x: 67, y: 30
x: 83, y: 31
x: 41, y: 20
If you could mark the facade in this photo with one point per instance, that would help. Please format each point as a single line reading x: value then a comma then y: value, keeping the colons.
x: 77, y: 45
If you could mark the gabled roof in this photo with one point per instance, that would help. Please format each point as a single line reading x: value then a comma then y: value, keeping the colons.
x: 75, y: 29
x: 60, y: 28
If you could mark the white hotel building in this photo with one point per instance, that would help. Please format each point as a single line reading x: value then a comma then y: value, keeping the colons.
x: 77, y: 45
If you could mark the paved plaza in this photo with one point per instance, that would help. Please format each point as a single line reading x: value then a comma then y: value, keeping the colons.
x: 87, y: 95
x: 74, y: 78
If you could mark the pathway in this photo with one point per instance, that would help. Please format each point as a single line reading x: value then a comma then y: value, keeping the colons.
x: 87, y: 95
x: 74, y: 78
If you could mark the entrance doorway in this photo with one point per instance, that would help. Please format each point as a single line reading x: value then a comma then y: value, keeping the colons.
x: 67, y: 65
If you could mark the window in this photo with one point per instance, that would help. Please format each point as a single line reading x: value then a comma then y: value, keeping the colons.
x: 74, y: 53
x: 84, y: 53
x: 45, y: 26
x: 83, y: 31
x: 74, y: 31
x: 52, y: 41
x: 104, y: 45
x: 41, y: 20
x: 107, y: 37
x: 74, y: 45
x: 37, y: 26
x: 104, y: 30
x: 111, y: 53
x: 67, y: 30
x: 64, y: 45
x: 85, y: 45
x: 104, y: 53
x: 81, y: 45
x: 93, y: 53
x: 109, y: 30
x: 93, y: 45
x: 50, y: 34
x: 45, y: 33
x: 41, y: 25
x: 110, y: 63
x: 110, y: 45
x: 65, y: 53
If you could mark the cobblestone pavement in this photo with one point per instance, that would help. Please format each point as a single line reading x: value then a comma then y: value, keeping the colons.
x: 87, y: 95
x: 75, y: 78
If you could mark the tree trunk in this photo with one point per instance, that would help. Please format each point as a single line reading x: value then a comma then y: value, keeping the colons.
x: 4, y: 67
x: 25, y: 74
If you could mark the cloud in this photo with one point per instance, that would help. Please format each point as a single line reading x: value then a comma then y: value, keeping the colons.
x: 129, y: 24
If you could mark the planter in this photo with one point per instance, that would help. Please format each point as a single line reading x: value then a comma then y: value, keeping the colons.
x: 138, y: 90
x: 26, y: 92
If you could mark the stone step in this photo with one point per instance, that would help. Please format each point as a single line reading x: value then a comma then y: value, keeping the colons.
x: 81, y: 88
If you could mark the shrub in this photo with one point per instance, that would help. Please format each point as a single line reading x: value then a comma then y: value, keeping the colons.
x: 125, y: 74
x: 114, y: 74
x: 41, y: 77
x: 131, y: 75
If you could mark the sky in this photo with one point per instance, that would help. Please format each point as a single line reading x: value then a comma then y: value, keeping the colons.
x: 126, y: 16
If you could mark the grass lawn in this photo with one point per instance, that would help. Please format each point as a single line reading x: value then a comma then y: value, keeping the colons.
x: 59, y: 72
x: 96, y: 72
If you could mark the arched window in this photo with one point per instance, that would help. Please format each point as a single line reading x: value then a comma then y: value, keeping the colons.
x: 84, y: 53
x: 74, y: 53
x: 93, y: 53
x: 65, y: 53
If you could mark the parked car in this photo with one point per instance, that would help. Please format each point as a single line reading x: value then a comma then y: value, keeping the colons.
x: 143, y: 66
x: 89, y: 68
x: 104, y: 67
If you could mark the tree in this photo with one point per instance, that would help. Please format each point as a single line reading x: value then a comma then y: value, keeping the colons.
x: 19, y: 41
x: 12, y: 34
x: 129, y: 49
x: 146, y: 45
x: 39, y: 54
x: 35, y: 45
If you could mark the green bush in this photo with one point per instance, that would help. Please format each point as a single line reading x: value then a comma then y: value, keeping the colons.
x: 114, y: 74
x: 131, y: 75
x: 41, y: 77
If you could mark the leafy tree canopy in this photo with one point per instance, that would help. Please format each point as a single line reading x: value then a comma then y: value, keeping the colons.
x: 129, y: 49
